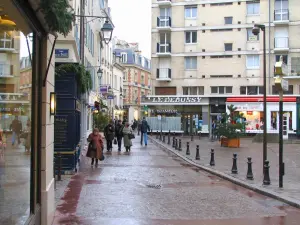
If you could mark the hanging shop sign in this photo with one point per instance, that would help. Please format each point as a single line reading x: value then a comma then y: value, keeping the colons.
x: 62, y: 53
x: 165, y: 111
x: 174, y: 100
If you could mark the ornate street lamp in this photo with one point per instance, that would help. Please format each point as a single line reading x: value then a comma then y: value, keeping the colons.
x: 107, y: 31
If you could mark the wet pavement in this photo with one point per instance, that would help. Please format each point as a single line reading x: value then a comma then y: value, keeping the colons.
x: 150, y: 186
x: 223, y: 162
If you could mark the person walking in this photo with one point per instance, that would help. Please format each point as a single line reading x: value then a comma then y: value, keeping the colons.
x: 213, y: 130
x: 118, y: 134
x: 95, y: 148
x: 109, y: 133
x: 144, y: 129
x: 16, y: 127
x: 126, y: 131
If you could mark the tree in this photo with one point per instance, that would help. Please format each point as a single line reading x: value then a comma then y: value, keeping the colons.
x: 100, y: 120
x: 232, y: 125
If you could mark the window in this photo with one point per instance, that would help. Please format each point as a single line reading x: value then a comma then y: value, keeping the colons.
x: 275, y: 90
x: 221, y: 89
x: 190, y: 12
x: 251, y: 36
x: 251, y: 90
x: 191, y: 37
x: 228, y: 46
x: 228, y: 20
x: 194, y: 90
x: 253, y: 8
x: 124, y: 57
x: 295, y: 66
x: 284, y: 57
x: 252, y: 61
x: 190, y: 63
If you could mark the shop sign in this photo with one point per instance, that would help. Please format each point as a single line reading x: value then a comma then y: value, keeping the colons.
x: 62, y: 53
x: 257, y: 107
x: 165, y: 111
x: 185, y: 99
x: 104, y: 89
x: 9, y: 110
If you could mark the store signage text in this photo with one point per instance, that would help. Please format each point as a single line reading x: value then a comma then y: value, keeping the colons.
x: 175, y: 99
x: 165, y: 111
x: 10, y: 110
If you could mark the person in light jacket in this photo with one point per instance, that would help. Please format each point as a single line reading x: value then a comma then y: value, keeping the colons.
x: 127, y: 141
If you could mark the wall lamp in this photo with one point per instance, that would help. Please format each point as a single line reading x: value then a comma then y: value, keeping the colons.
x: 52, y: 103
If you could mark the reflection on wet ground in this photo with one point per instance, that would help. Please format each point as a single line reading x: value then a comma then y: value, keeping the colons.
x: 151, y: 187
x: 14, y: 185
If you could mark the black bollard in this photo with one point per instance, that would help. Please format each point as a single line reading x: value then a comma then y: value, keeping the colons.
x: 169, y: 138
x: 234, y: 169
x: 266, y: 174
x: 212, y: 157
x: 179, y: 147
x: 156, y: 134
x: 187, y: 148
x: 151, y: 132
x: 164, y: 139
x: 173, y: 145
x: 197, y: 153
x: 59, y: 167
x: 249, y: 171
x: 192, y: 137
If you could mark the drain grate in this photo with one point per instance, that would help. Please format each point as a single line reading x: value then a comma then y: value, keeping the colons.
x: 155, y: 186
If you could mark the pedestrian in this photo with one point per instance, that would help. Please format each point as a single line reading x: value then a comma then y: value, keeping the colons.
x: 109, y: 133
x: 213, y: 130
x: 118, y: 133
x: 144, y: 129
x: 127, y: 133
x: 16, y: 127
x: 95, y: 148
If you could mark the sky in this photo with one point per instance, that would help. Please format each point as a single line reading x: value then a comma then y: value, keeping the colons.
x: 132, y: 20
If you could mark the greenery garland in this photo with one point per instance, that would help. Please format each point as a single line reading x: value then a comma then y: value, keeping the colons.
x: 58, y: 14
x: 83, y: 76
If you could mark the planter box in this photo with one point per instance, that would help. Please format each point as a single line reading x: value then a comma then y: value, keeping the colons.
x: 230, y: 143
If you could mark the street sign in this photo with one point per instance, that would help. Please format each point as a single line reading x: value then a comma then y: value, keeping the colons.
x: 284, y: 85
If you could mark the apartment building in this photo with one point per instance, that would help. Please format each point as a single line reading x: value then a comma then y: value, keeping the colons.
x: 137, y: 78
x: 206, y: 49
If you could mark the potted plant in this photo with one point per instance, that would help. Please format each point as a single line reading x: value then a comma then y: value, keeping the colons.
x: 231, y: 127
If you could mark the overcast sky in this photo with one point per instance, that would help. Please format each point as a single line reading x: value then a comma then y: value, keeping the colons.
x: 132, y: 20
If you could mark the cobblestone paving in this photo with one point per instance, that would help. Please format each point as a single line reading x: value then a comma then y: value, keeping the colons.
x: 223, y: 161
x: 150, y: 186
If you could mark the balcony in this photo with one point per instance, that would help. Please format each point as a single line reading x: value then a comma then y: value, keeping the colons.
x: 6, y: 42
x: 6, y: 70
x: 164, y: 23
x: 163, y: 74
x: 163, y: 49
x: 281, y: 44
x: 281, y: 16
x: 164, y: 2
x: 293, y: 72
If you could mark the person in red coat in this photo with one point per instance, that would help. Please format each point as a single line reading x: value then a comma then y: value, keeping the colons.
x: 95, y: 148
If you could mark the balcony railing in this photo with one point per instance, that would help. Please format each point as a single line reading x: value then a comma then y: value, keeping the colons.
x: 281, y: 42
x: 163, y: 74
x: 6, y: 41
x: 164, y: 21
x: 281, y: 14
x: 6, y: 70
x: 163, y: 48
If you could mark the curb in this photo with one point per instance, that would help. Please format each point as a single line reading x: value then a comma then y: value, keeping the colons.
x: 241, y: 183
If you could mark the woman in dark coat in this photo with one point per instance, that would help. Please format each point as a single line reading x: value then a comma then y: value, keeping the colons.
x: 95, y: 148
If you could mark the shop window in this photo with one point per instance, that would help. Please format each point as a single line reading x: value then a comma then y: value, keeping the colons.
x: 274, y: 120
x: 253, y: 120
x: 275, y: 90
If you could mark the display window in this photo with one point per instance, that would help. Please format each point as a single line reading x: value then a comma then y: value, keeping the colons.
x: 274, y: 120
x: 254, y: 120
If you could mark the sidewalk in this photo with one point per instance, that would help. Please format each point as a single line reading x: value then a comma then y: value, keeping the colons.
x: 223, y: 163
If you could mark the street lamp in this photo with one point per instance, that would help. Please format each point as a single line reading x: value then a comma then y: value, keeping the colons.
x: 107, y: 30
x: 256, y: 30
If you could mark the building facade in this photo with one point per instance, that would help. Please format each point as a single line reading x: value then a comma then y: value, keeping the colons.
x: 137, y: 78
x: 207, y: 49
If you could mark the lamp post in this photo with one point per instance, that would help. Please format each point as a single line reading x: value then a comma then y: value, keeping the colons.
x: 256, y: 30
x: 282, y: 85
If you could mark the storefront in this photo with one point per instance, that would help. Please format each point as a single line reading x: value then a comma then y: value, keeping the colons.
x: 252, y: 109
x: 192, y: 111
x: 25, y: 198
